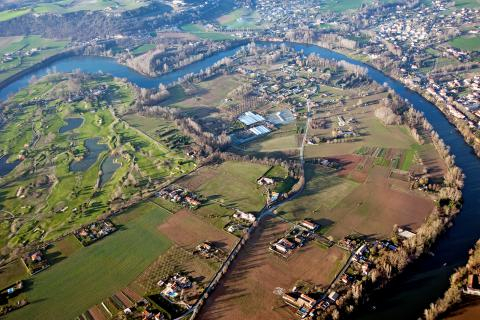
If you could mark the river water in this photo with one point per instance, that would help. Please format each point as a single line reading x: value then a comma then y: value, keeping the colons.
x: 423, y: 281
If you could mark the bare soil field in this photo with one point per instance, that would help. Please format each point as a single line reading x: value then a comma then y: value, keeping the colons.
x: 468, y: 309
x: 374, y: 207
x: 188, y: 230
x: 247, y: 290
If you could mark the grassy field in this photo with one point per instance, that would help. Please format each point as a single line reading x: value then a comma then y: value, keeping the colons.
x: 143, y: 48
x: 231, y: 183
x: 468, y: 43
x: 12, y: 272
x: 373, y: 133
x: 467, y: 3
x: 90, y: 274
x: 11, y: 14
x: 19, y: 45
x: 200, y: 32
x: 242, y: 18
x: 211, y: 93
x: 323, y: 191
x: 284, y: 139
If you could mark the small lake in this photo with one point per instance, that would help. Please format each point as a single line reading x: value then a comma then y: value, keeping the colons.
x: 72, y: 123
x: 108, y: 167
x: 7, y: 167
x: 94, y: 149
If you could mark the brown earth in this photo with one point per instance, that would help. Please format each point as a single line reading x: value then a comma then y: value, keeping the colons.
x: 374, y: 207
x: 468, y: 309
x: 188, y: 230
x: 247, y: 290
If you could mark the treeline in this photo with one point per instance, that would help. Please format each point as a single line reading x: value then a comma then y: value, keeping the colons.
x: 458, y: 281
x: 165, y: 58
x: 319, y: 62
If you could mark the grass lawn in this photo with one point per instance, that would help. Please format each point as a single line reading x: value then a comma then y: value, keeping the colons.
x: 68, y: 288
x: 468, y: 43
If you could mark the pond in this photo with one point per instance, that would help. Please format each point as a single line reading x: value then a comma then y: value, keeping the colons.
x: 93, y: 150
x: 6, y: 167
x: 108, y: 167
x: 72, y: 123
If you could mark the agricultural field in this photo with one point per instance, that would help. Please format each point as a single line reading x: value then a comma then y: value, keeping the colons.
x: 11, y: 14
x: 283, y: 140
x: 22, y: 52
x: 371, y: 206
x: 92, y: 273
x: 468, y: 43
x: 68, y: 186
x: 248, y: 290
x: 202, y: 33
x: 210, y: 93
x: 232, y: 184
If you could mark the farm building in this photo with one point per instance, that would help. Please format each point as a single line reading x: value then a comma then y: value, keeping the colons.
x: 249, y: 118
x: 259, y: 130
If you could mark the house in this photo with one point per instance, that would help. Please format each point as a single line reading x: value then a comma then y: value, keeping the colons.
x: 265, y: 181
x: 244, y: 216
x: 405, y: 233
x: 191, y: 201
x: 36, y: 256
x: 333, y: 296
x: 473, y: 284
x: 299, y: 300
x: 312, y: 226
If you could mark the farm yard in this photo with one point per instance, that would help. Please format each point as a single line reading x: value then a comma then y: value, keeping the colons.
x: 248, y: 290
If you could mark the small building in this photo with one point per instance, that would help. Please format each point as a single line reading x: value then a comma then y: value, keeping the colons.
x: 473, y: 284
x: 333, y: 296
x: 312, y: 226
x: 244, y: 216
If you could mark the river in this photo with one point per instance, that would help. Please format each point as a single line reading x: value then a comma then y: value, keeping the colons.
x: 423, y: 281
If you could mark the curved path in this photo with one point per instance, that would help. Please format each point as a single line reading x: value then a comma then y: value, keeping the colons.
x: 423, y: 281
